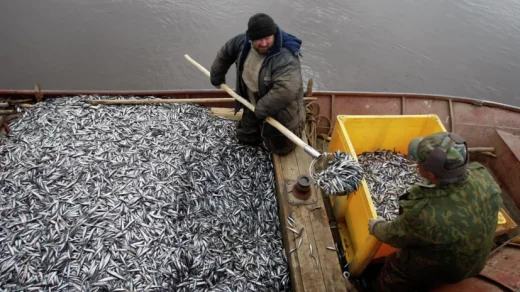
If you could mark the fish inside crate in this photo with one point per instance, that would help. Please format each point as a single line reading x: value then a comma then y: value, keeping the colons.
x: 389, y: 175
x: 359, y: 134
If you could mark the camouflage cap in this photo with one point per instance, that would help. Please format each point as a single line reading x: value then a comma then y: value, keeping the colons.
x: 451, y: 144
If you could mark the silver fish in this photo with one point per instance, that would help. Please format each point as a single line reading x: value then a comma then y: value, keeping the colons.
x: 143, y: 198
x: 389, y: 175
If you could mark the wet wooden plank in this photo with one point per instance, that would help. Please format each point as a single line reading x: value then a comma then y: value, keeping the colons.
x: 228, y: 113
x: 312, y: 279
x: 327, y: 259
x: 306, y: 274
x: 284, y: 211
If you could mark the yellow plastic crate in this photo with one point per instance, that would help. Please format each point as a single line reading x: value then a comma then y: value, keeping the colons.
x: 358, y: 134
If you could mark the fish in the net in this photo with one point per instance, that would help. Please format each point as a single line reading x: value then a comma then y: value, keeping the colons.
x: 341, y: 175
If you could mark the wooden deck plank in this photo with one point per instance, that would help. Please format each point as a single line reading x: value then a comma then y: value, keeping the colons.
x: 329, y: 262
x: 310, y: 274
x: 284, y: 211
x: 228, y: 113
x: 305, y: 274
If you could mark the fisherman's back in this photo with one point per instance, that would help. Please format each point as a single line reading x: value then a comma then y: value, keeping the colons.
x: 445, y: 228
x: 456, y: 222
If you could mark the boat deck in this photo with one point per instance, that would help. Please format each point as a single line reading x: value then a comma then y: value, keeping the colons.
x: 323, y: 271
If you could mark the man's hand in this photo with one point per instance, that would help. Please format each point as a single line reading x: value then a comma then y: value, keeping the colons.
x: 372, y: 224
x: 217, y: 80
x: 258, y: 115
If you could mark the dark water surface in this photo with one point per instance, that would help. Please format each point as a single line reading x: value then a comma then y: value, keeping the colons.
x: 466, y: 48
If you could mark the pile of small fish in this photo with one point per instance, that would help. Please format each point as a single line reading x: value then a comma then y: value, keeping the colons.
x: 141, y: 197
x: 389, y: 175
x: 341, y: 175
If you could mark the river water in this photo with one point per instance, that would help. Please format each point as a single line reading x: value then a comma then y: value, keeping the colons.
x: 465, y: 48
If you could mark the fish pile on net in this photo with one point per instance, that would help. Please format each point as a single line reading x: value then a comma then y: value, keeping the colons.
x: 388, y: 175
x: 143, y: 198
x: 341, y: 174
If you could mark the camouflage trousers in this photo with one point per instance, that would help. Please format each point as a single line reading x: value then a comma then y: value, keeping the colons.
x: 410, y: 276
x: 251, y: 131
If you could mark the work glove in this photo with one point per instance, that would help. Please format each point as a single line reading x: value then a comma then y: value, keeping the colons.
x: 373, y: 222
x: 259, y: 115
x: 217, y: 80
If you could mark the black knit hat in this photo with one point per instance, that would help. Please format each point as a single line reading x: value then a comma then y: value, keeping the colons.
x: 260, y: 25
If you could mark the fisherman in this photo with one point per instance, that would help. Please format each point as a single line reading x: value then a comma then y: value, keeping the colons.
x: 269, y: 76
x: 446, y: 225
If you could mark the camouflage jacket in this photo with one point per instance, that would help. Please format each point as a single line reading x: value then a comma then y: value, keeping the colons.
x: 446, y: 230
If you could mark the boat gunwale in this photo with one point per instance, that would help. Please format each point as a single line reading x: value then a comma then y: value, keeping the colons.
x: 338, y: 94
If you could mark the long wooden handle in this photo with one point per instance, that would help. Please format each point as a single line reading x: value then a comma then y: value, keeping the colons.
x: 153, y: 101
x: 167, y: 100
x: 223, y: 85
x: 311, y: 151
x: 481, y: 149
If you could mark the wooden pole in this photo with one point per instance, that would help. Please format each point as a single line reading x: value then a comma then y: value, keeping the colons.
x: 178, y: 100
x: 153, y: 101
x: 481, y: 149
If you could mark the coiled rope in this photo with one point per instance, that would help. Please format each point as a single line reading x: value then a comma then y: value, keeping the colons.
x: 313, y: 121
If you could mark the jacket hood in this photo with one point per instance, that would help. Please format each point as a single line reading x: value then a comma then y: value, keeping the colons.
x: 289, y: 41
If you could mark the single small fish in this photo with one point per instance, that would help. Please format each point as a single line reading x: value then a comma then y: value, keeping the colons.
x: 310, y: 247
x: 293, y: 230
x: 291, y: 221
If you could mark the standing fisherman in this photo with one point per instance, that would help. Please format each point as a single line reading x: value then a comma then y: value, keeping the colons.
x: 446, y: 225
x: 269, y: 75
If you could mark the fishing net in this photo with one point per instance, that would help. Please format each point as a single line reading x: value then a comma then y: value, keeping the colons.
x: 340, y: 174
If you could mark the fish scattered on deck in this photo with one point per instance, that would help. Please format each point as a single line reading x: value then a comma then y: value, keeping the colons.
x: 145, y: 197
x: 389, y: 175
